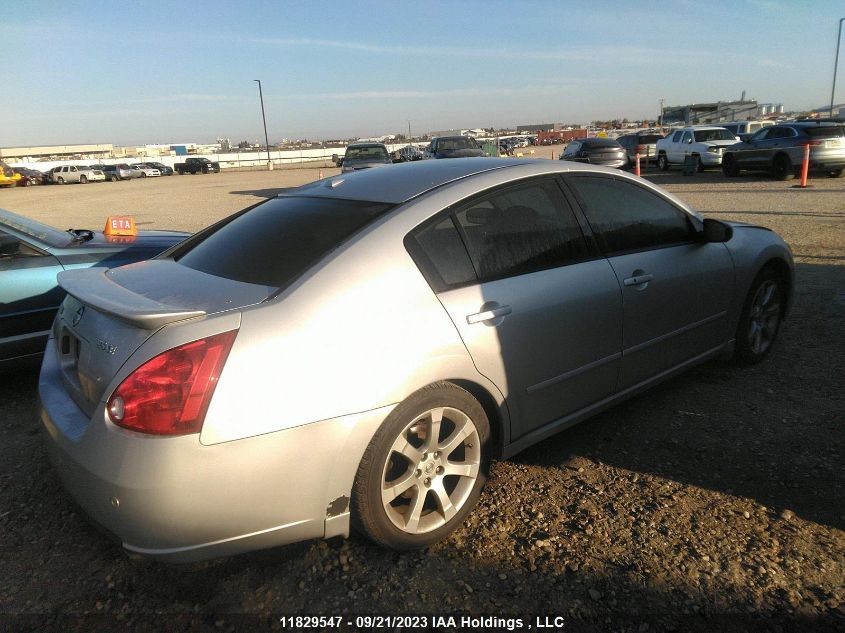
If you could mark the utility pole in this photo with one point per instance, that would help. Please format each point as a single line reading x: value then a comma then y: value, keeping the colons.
x: 835, y: 65
x: 264, y: 119
x: 660, y: 118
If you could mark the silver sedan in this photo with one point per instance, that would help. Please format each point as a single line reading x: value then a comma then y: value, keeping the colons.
x: 354, y: 352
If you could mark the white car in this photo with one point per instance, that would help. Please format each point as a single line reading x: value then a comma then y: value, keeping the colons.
x: 705, y: 143
x: 145, y: 171
x: 76, y: 173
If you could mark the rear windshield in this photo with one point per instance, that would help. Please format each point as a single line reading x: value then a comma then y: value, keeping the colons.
x: 366, y: 153
x: 274, y: 243
x: 824, y: 131
x: 600, y: 142
x: 649, y: 139
x: 720, y: 134
x: 457, y: 143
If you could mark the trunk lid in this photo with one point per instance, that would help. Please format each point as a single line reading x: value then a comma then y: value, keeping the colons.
x: 108, y: 314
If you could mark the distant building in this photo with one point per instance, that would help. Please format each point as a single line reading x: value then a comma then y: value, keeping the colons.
x: 57, y: 152
x: 715, y: 112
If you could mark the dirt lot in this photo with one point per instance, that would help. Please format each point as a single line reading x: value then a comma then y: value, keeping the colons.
x: 713, y: 503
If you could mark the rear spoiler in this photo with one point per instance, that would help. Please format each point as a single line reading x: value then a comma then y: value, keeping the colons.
x: 93, y: 287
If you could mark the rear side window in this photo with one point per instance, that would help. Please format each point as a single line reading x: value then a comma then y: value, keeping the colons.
x: 440, y: 255
x: 520, y: 229
x: 627, y: 217
x: 824, y: 131
x: 277, y: 241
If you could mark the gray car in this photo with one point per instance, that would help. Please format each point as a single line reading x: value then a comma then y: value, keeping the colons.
x: 354, y: 352
x: 364, y: 156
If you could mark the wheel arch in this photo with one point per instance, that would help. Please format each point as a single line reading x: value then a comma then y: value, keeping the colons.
x: 784, y: 273
x: 495, y: 409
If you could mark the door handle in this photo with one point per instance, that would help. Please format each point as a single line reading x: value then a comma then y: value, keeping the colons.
x: 637, y: 280
x: 487, y: 315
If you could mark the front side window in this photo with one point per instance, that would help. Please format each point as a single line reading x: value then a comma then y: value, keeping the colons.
x: 626, y: 217
x: 275, y: 242
x: 520, y: 229
x: 676, y: 137
x: 718, y: 134
x: 687, y: 137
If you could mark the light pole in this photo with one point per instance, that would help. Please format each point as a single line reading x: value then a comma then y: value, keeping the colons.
x: 835, y: 65
x: 264, y: 119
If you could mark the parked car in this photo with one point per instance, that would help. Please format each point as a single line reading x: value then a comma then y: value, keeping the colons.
x: 8, y: 176
x: 28, y: 177
x: 163, y: 169
x: 363, y: 156
x: 453, y: 147
x: 407, y: 154
x: 76, y: 173
x: 742, y: 129
x: 705, y: 143
x: 424, y: 319
x: 32, y: 254
x: 779, y: 150
x: 596, y: 151
x: 642, y: 143
x: 144, y: 170
x: 119, y: 171
x: 197, y: 165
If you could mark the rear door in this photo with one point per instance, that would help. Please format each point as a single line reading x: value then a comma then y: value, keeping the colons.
x: 675, y: 288
x: 538, y: 311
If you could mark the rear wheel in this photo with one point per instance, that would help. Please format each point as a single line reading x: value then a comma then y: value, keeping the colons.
x: 113, y: 178
x: 835, y: 173
x: 729, y: 167
x: 662, y: 163
x: 761, y: 317
x: 27, y: 183
x: 782, y: 168
x: 424, y: 469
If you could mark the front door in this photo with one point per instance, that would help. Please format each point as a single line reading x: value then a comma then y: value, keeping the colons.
x: 676, y: 288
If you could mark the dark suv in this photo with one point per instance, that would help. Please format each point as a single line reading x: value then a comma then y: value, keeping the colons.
x: 644, y: 143
x: 779, y: 149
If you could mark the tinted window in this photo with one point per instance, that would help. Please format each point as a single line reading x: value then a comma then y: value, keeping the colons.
x: 440, y: 254
x: 275, y: 242
x: 676, y: 137
x: 520, y: 229
x: 627, y: 217
x: 687, y: 137
x: 719, y: 134
x: 824, y: 131
x: 650, y: 139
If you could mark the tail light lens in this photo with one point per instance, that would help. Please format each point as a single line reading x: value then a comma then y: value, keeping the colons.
x: 813, y: 143
x: 170, y: 394
x: 640, y: 148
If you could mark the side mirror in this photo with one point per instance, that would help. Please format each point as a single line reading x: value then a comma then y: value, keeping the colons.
x: 716, y: 231
x: 335, y: 159
x: 689, y: 140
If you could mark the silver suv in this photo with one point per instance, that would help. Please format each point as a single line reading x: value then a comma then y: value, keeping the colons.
x: 76, y: 173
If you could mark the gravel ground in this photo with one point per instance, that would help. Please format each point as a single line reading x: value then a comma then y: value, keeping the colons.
x: 712, y: 503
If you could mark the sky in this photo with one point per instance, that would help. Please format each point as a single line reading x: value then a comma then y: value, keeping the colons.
x: 133, y: 73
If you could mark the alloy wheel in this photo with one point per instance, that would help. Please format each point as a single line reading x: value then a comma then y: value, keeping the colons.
x: 764, y: 317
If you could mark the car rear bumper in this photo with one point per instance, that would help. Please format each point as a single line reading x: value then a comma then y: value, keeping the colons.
x: 174, y: 498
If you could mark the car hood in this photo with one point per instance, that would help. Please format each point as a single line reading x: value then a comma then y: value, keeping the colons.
x: 719, y: 143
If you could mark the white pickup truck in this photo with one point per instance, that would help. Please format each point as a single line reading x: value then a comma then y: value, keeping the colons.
x: 705, y: 142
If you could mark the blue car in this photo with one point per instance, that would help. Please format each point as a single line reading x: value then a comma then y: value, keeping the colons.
x: 32, y: 254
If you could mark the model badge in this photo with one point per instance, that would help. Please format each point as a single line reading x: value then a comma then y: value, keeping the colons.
x: 77, y: 316
x: 106, y: 346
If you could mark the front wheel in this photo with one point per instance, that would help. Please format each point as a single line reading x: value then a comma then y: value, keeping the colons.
x: 424, y: 469
x: 60, y: 180
x: 83, y: 180
x: 761, y: 317
x: 662, y: 163
x: 835, y: 173
x: 729, y: 167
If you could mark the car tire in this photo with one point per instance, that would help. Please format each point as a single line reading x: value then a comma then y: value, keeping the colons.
x: 761, y: 317
x: 729, y: 167
x: 27, y: 183
x: 782, y: 168
x: 83, y: 180
x: 407, y: 493
x: 114, y: 178
x: 835, y: 173
x: 699, y: 166
x: 662, y: 163
x: 60, y: 180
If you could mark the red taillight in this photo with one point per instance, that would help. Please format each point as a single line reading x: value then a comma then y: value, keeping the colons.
x: 641, y: 148
x: 170, y: 394
x: 814, y: 143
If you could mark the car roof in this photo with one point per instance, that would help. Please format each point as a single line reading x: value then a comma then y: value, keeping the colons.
x: 365, y: 145
x: 395, y: 184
